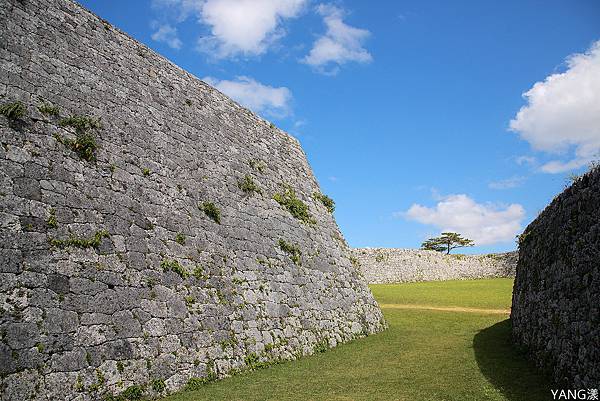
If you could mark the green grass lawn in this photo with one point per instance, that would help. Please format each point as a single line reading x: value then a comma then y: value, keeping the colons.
x: 425, y: 355
x: 491, y: 293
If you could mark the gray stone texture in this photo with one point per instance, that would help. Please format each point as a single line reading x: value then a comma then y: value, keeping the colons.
x: 80, y: 323
x: 391, y: 265
x: 556, y: 296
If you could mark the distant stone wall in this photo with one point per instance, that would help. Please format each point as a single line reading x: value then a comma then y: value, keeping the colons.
x: 166, y: 257
x: 389, y: 265
x: 556, y: 297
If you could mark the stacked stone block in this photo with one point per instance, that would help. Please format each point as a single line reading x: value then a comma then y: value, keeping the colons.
x: 556, y: 297
x: 390, y: 265
x: 149, y: 261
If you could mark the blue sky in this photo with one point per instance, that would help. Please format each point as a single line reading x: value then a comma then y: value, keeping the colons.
x: 416, y: 116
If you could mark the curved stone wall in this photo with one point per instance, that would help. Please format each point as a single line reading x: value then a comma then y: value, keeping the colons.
x: 556, y: 296
x: 390, y: 265
x: 161, y: 256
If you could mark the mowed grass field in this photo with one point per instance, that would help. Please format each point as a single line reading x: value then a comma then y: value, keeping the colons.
x: 447, y: 341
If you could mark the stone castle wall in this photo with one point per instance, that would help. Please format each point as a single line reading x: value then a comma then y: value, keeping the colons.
x: 154, y: 260
x: 390, y: 265
x: 556, y: 297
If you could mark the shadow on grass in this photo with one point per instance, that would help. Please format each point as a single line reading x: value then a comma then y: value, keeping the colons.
x: 507, y: 369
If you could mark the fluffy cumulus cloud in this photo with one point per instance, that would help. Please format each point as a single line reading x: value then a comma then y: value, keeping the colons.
x: 562, y: 115
x: 262, y: 99
x: 484, y: 223
x: 167, y: 34
x: 237, y: 27
x: 341, y: 43
x: 245, y: 27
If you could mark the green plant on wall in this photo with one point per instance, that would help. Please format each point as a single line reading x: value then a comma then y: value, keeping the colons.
x: 48, y: 109
x: 79, y: 242
x: 292, y: 250
x: 249, y: 186
x: 258, y: 165
x: 158, y: 385
x: 84, y: 143
x: 180, y: 239
x: 211, y: 211
x: 379, y: 257
x: 13, y: 111
x: 51, y: 221
x: 174, y: 266
x: 326, y: 201
x: 295, y: 206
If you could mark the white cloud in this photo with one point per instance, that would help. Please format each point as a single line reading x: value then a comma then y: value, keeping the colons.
x: 508, y: 183
x: 237, y: 27
x: 255, y: 96
x: 563, y: 113
x: 484, y: 223
x: 167, y: 34
x: 244, y: 27
x: 341, y: 43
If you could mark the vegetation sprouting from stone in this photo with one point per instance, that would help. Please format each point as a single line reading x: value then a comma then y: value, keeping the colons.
x: 78, y: 242
x: 211, y: 211
x: 248, y: 185
x: 79, y: 386
x: 189, y: 301
x: 195, y: 383
x: 292, y: 250
x: 51, y: 221
x: 174, y: 266
x: 84, y: 143
x: 131, y: 393
x: 326, y: 201
x: 146, y: 171
x: 80, y: 123
x: 258, y: 165
x: 158, y: 385
x: 13, y: 111
x: 199, y: 273
x: 48, y: 109
x: 295, y: 206
x: 180, y: 239
x: 321, y: 346
x: 253, y: 362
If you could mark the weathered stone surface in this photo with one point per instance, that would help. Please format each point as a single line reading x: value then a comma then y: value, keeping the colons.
x: 556, y: 296
x: 168, y: 293
x: 390, y: 265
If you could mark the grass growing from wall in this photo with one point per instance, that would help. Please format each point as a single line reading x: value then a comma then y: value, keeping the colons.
x: 80, y: 242
x: 425, y: 355
x: 211, y: 211
x: 326, y: 201
x: 294, y: 205
x: 84, y: 144
x: 13, y: 111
